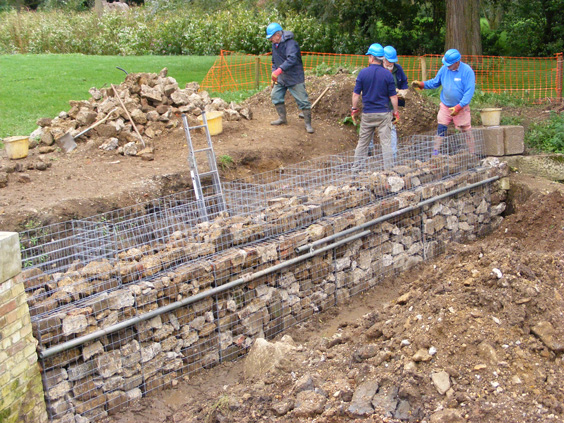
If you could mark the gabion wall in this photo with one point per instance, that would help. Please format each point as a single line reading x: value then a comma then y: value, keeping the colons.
x: 92, y: 288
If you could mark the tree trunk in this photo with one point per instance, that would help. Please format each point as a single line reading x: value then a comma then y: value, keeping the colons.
x: 463, y: 26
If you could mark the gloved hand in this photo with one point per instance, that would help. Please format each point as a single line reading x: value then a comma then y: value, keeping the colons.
x: 401, y: 93
x: 275, y: 75
x: 418, y: 84
x: 396, y: 117
x: 354, y: 113
x: 455, y: 110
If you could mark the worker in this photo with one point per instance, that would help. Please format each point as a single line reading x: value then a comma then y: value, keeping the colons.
x: 378, y: 89
x: 458, y: 81
x: 391, y: 63
x: 287, y: 74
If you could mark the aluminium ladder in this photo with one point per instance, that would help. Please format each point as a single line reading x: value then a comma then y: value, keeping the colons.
x: 214, y: 201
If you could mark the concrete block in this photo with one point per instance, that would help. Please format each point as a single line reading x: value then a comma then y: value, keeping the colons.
x: 513, y: 139
x: 10, y: 256
x: 493, y: 141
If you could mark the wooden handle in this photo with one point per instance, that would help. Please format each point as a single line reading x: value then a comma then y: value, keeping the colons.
x: 128, y: 115
x: 319, y: 98
x: 94, y: 125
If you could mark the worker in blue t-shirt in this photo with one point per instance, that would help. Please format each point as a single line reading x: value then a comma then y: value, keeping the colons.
x: 458, y: 82
x: 378, y: 89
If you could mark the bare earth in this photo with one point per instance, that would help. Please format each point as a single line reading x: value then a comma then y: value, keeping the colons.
x: 492, y: 309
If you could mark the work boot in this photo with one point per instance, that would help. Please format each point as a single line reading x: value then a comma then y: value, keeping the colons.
x: 281, y: 109
x: 307, y: 120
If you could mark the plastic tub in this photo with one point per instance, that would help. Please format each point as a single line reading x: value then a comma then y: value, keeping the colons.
x: 16, y: 147
x: 490, y: 117
x: 215, y: 122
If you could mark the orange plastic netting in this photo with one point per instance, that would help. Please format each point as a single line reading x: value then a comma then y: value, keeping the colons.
x: 536, y: 79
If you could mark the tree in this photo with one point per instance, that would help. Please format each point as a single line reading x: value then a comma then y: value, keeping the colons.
x: 463, y: 26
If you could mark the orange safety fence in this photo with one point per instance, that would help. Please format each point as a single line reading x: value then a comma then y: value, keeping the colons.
x: 536, y: 80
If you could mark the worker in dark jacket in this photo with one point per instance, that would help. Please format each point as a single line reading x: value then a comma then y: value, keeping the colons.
x: 287, y: 74
x: 400, y: 78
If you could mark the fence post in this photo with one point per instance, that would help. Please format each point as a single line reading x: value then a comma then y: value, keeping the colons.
x: 21, y: 388
x: 423, y: 68
x: 559, y: 75
x: 257, y: 72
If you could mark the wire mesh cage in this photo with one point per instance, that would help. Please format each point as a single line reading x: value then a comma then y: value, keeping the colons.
x: 136, y: 299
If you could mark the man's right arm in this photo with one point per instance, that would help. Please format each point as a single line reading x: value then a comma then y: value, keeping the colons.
x: 436, y: 81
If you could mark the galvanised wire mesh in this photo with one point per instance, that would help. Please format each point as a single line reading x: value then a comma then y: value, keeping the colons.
x: 136, y: 299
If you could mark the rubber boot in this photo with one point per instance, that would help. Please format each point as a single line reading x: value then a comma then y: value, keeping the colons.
x: 281, y: 109
x: 307, y: 120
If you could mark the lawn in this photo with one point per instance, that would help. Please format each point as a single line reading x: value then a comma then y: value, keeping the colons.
x: 35, y: 86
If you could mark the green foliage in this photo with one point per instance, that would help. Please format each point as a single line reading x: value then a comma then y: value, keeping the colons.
x: 483, y: 99
x: 225, y: 162
x: 325, y: 69
x: 186, y: 31
x: 348, y: 120
x: 547, y: 136
x: 533, y: 27
x: 511, y: 120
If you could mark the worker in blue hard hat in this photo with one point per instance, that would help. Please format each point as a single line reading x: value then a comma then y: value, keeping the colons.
x: 287, y: 74
x: 400, y: 78
x: 458, y: 83
x: 378, y: 89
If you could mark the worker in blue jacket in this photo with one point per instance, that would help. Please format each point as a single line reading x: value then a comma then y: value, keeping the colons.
x: 458, y: 81
x: 400, y: 78
x: 287, y: 74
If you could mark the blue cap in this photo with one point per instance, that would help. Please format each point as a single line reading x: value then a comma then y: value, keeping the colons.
x: 376, y: 50
x: 390, y: 54
x: 451, y: 57
x: 272, y: 29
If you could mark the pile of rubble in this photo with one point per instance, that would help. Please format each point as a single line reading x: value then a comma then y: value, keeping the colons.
x: 149, y: 106
x: 153, y: 104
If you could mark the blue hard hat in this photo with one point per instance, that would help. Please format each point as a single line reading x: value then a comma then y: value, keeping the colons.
x: 376, y: 50
x: 272, y: 29
x: 451, y: 57
x: 390, y: 54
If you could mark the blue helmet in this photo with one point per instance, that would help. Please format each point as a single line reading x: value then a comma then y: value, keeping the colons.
x: 376, y: 50
x: 451, y: 57
x: 272, y: 29
x: 390, y: 54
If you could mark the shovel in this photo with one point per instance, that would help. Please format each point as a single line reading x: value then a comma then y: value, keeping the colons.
x: 301, y: 115
x: 67, y: 142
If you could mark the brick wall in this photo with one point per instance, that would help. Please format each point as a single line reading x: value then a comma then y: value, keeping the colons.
x: 21, y: 389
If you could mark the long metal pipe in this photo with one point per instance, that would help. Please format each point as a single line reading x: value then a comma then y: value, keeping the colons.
x: 192, y: 299
x: 311, y: 246
x: 252, y: 276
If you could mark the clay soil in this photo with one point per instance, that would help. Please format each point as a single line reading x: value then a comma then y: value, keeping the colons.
x: 484, y: 306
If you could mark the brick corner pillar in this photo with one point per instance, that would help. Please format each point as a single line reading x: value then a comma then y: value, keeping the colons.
x: 21, y: 388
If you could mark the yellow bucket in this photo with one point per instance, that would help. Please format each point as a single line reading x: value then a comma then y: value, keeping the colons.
x: 490, y: 117
x: 215, y: 122
x: 16, y: 147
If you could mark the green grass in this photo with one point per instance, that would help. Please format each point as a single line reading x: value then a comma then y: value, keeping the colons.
x: 36, y: 86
